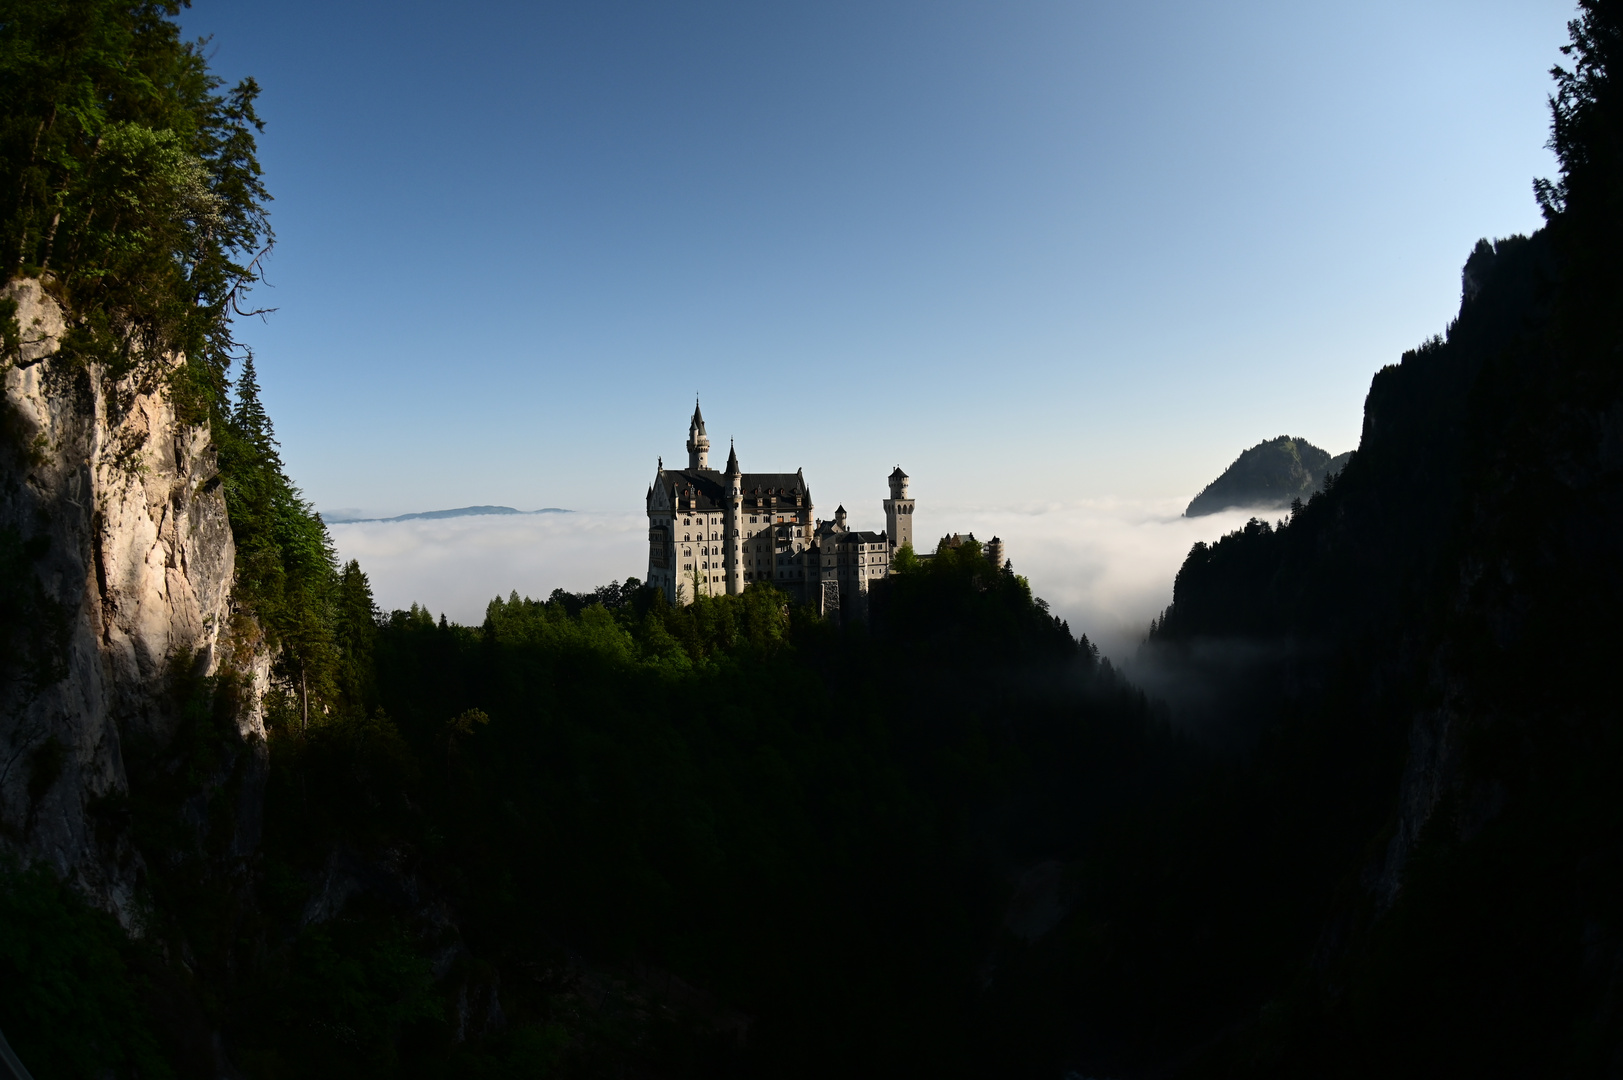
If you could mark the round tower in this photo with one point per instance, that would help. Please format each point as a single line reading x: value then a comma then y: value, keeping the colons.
x: 899, y: 512
x: 698, y: 441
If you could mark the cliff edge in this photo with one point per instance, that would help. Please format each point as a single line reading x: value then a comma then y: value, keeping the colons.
x: 118, y: 592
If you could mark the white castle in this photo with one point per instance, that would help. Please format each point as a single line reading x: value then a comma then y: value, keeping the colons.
x: 717, y: 533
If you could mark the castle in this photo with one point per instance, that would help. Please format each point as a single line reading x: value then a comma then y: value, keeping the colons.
x: 713, y: 533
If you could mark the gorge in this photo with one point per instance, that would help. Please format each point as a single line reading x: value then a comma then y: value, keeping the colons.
x: 252, y: 826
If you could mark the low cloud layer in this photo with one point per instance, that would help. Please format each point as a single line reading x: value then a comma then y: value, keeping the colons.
x: 457, y: 565
x: 1104, y: 565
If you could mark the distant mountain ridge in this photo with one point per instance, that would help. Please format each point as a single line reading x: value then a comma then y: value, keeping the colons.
x: 461, y: 511
x: 1269, y: 476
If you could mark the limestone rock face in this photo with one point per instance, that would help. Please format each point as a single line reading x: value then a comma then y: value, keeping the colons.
x: 116, y: 507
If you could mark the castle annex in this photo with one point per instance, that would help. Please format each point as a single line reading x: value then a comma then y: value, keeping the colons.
x: 713, y: 532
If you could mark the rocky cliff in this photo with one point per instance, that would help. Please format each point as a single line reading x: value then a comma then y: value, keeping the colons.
x: 120, y: 555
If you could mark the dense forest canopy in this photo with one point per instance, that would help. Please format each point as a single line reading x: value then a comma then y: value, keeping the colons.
x: 129, y: 184
x: 132, y: 190
x: 602, y: 835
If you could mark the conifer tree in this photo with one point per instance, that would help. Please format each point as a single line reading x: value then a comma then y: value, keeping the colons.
x: 250, y: 418
x: 130, y: 185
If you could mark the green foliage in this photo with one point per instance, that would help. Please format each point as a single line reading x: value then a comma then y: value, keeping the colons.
x: 130, y: 184
x: 733, y: 790
x: 70, y: 995
x: 320, y: 618
x: 905, y: 561
x: 959, y: 607
x: 354, y: 984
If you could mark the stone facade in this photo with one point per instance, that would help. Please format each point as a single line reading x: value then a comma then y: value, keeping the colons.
x: 712, y: 533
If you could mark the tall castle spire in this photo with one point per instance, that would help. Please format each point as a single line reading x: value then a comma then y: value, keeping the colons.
x: 698, y: 441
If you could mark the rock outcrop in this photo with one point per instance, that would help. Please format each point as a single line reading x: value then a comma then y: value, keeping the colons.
x: 112, y: 509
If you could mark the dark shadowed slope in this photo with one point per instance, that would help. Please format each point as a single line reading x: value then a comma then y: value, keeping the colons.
x: 1445, y: 742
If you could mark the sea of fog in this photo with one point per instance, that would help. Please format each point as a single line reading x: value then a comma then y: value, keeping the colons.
x: 1105, y: 565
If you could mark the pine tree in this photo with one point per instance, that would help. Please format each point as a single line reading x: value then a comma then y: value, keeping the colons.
x: 252, y: 422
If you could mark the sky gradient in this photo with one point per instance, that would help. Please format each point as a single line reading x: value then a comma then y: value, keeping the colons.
x: 1036, y: 253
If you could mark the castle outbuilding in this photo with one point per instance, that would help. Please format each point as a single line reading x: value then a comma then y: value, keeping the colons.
x: 716, y: 533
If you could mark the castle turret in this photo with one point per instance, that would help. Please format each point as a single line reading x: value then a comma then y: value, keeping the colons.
x: 662, y: 532
x: 839, y: 519
x: 733, y: 519
x: 899, y: 511
x: 698, y: 441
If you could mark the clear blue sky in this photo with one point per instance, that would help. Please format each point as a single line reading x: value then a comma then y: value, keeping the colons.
x: 1031, y: 251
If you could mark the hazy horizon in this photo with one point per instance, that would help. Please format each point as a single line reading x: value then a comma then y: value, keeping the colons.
x: 1057, y: 255
x: 1050, y: 252
x: 1105, y: 566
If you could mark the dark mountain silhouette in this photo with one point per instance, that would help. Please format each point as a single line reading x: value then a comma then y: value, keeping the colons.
x: 1268, y: 476
x: 1436, y: 769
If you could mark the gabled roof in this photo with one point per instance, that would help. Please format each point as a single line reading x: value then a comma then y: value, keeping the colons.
x: 710, y: 487
x: 858, y: 537
x: 789, y: 483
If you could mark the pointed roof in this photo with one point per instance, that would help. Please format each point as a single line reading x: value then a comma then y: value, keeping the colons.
x: 698, y: 419
x: 732, y: 459
x: 898, y: 474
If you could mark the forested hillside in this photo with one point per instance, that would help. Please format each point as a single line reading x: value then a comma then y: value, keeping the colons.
x: 1442, y: 617
x: 600, y: 836
x: 1269, y: 476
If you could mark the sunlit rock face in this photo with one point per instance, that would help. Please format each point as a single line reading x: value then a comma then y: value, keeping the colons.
x: 120, y: 559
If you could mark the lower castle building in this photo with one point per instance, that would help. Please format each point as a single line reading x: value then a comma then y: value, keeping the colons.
x: 713, y: 533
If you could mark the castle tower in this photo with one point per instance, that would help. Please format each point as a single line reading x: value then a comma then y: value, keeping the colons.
x: 899, y: 511
x: 698, y: 441
x: 732, y: 516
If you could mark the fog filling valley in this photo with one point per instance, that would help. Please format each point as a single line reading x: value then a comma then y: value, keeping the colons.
x: 1106, y: 565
